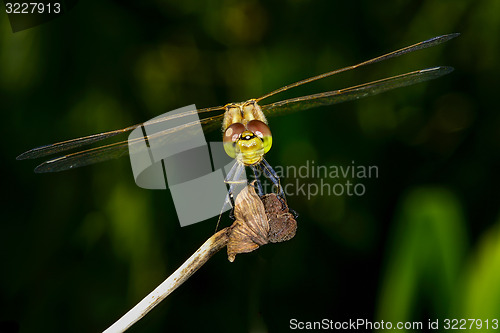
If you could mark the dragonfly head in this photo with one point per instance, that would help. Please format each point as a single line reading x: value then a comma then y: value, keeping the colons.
x: 246, y: 134
x: 248, y: 144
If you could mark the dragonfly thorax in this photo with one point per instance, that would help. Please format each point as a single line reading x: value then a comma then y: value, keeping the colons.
x: 247, y: 138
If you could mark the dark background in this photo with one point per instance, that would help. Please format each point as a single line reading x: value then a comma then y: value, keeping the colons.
x: 80, y: 248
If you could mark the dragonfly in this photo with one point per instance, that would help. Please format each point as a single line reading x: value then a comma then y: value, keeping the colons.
x: 246, y: 135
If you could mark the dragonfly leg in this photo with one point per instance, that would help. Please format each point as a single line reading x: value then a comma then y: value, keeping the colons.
x: 234, y: 179
x: 274, y: 178
x: 257, y: 184
x: 294, y: 213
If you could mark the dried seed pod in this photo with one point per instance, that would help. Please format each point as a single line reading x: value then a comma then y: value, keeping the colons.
x: 251, y: 228
x: 258, y: 222
x: 282, y: 223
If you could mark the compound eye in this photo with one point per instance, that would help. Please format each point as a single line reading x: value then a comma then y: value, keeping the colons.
x: 233, y: 132
x: 231, y: 136
x: 260, y: 129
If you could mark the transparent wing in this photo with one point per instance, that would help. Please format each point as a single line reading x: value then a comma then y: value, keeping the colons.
x: 87, y: 140
x: 355, y: 92
x: 110, y: 151
x: 414, y: 47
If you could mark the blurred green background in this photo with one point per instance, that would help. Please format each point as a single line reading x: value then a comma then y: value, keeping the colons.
x: 80, y: 248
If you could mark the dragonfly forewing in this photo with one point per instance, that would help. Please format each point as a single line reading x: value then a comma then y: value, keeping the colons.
x: 415, y: 47
x: 60, y: 147
x: 353, y: 93
x: 118, y: 149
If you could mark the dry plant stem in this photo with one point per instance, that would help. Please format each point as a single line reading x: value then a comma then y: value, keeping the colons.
x: 258, y: 222
x: 200, y: 257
